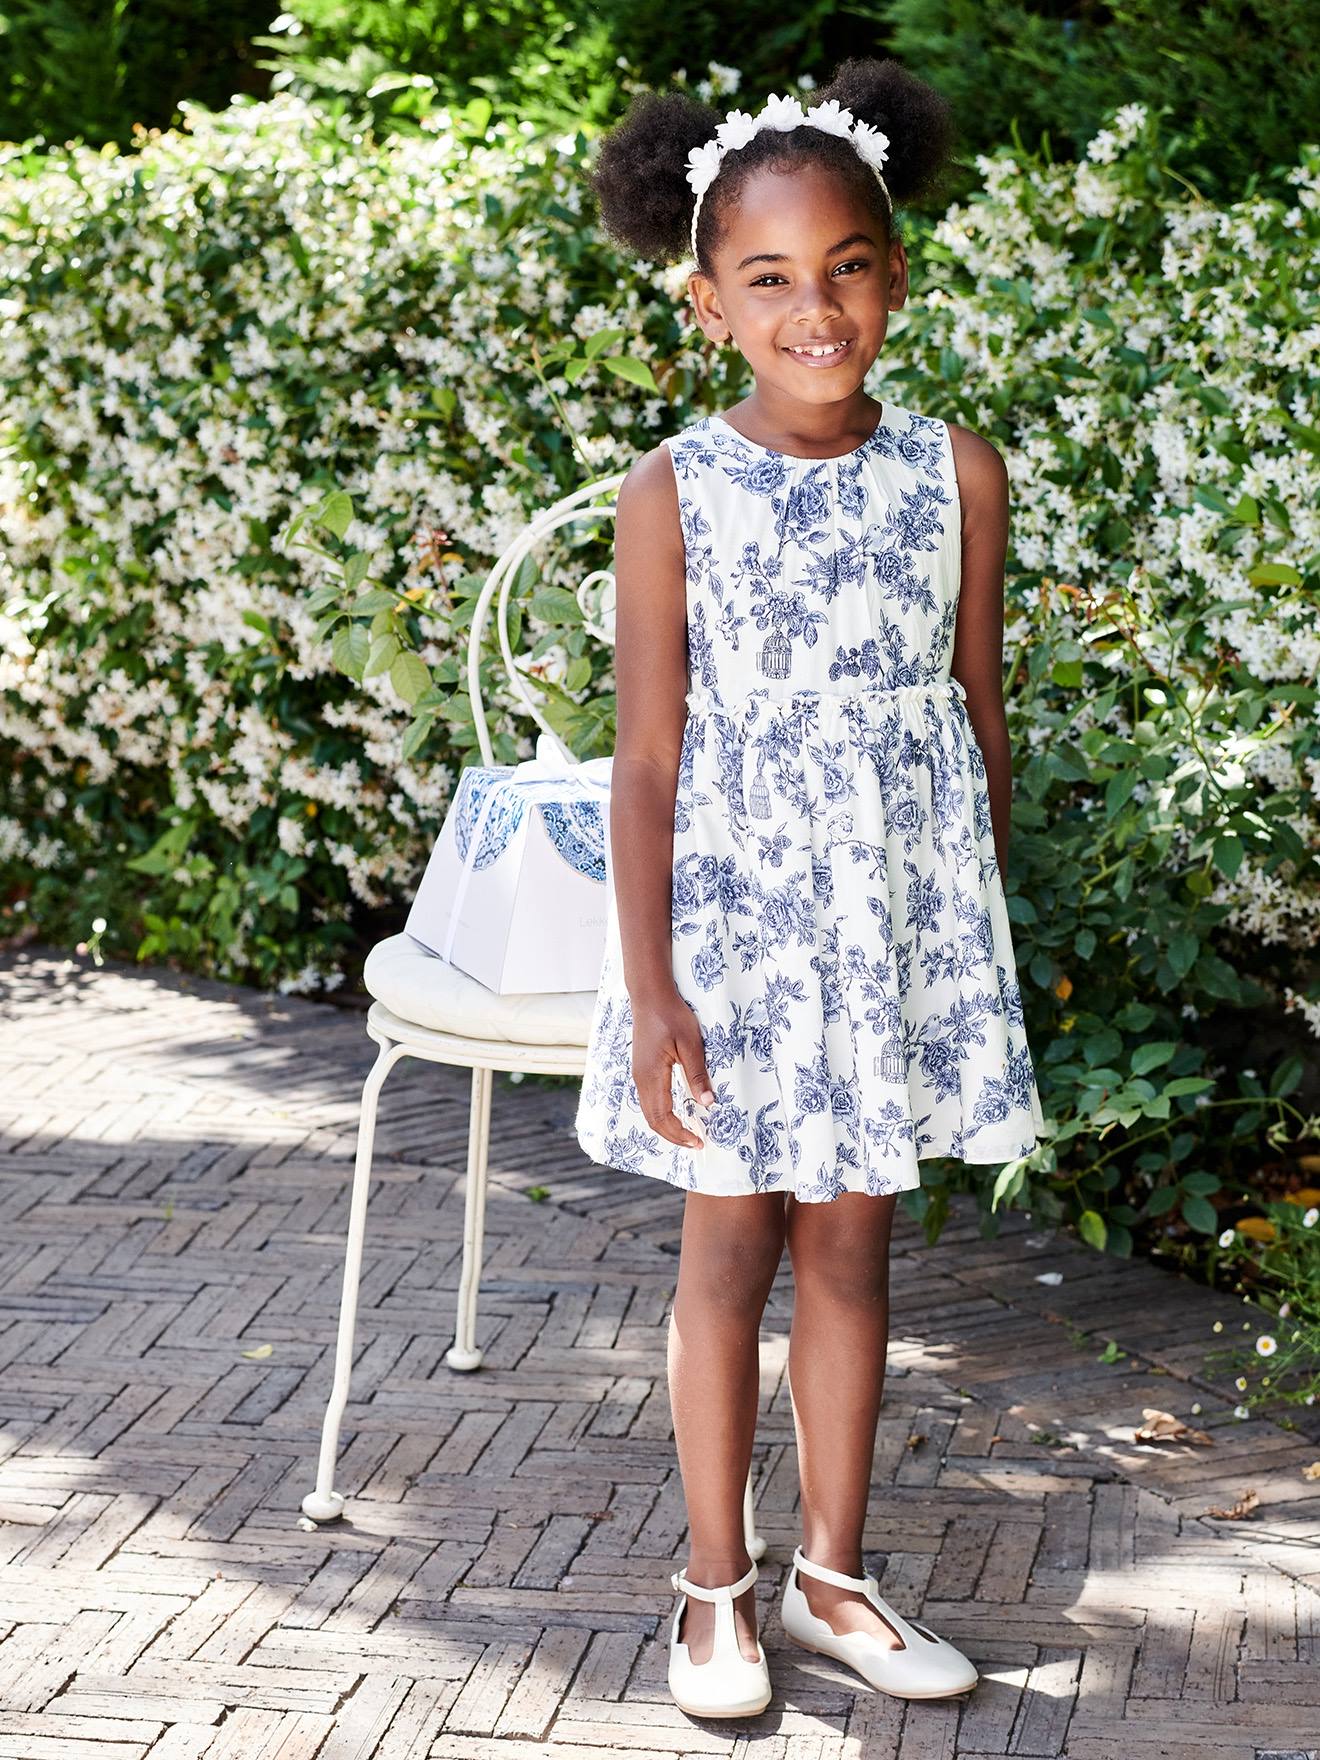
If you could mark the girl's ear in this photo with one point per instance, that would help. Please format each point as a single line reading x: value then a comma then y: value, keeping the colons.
x: 898, y: 276
x: 706, y: 305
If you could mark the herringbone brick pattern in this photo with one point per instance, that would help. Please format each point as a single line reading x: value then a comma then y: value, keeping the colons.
x: 173, y: 1192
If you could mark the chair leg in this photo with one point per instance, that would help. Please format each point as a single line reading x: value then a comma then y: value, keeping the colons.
x: 753, y: 1541
x: 463, y: 1353
x: 325, y: 1504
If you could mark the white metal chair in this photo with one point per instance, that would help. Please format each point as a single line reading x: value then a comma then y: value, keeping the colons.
x: 424, y: 1007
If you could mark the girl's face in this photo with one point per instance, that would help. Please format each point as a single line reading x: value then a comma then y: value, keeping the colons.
x: 802, y: 262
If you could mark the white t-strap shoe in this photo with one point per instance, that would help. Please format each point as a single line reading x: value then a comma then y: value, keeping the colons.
x: 926, y: 1667
x: 728, y: 1685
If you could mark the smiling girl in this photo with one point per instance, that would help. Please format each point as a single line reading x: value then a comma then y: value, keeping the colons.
x: 809, y: 984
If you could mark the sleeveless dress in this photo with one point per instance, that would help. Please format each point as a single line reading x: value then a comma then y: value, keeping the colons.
x: 839, y: 922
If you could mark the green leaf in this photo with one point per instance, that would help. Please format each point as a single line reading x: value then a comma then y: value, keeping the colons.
x: 574, y: 369
x: 1008, y: 1183
x: 355, y: 571
x: 1187, y: 1085
x: 1274, y: 574
x: 602, y: 340
x: 635, y: 372
x: 1148, y: 1057
x: 1200, y: 1214
x: 254, y: 620
x: 325, y: 624
x: 1200, y: 1185
x: 1287, y: 1076
x: 1091, y: 1227
x: 936, y: 1215
x: 350, y: 650
x: 377, y: 600
x: 384, y: 650
x: 555, y: 605
x: 578, y: 675
x: 1212, y: 499
x: 1182, y: 951
x: 1227, y: 855
x: 335, y: 513
x: 326, y: 594
x: 1161, y: 1200
x: 409, y: 676
x: 416, y: 736
x: 165, y: 855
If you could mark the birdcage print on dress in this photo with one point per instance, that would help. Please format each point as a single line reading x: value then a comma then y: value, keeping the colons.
x: 839, y: 922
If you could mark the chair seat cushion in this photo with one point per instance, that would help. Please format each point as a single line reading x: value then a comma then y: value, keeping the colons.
x: 419, y: 986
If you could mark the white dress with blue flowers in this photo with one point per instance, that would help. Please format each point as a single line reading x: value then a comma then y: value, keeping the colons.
x: 839, y: 922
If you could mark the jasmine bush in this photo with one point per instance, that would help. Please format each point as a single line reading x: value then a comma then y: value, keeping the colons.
x: 270, y: 312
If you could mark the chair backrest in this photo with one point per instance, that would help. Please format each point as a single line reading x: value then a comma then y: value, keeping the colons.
x: 595, y: 594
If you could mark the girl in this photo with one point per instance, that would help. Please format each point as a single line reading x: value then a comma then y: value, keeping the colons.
x: 809, y: 984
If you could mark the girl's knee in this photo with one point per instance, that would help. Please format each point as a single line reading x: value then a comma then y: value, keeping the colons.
x: 842, y: 1253
x: 732, y: 1248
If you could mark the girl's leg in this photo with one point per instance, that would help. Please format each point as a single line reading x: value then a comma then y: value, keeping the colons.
x: 730, y: 1252
x: 836, y: 1369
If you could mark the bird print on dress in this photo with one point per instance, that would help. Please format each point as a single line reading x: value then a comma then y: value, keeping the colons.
x: 839, y: 922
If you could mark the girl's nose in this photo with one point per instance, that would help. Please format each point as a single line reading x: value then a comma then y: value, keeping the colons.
x: 815, y: 301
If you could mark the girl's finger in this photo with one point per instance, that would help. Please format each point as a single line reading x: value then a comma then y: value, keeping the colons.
x: 655, y: 1096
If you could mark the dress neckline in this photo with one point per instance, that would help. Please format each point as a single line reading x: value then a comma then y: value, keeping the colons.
x: 804, y: 458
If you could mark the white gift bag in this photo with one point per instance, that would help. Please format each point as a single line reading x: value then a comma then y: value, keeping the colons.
x: 515, y: 891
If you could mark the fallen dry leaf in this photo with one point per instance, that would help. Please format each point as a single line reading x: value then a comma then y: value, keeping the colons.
x: 1244, y: 1506
x: 1311, y: 1472
x: 915, y: 1440
x: 1164, y: 1427
x: 260, y: 1351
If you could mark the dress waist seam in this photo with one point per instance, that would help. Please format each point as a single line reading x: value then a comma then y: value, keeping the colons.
x: 701, y: 702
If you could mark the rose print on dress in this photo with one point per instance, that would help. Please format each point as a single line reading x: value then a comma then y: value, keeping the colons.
x: 839, y: 923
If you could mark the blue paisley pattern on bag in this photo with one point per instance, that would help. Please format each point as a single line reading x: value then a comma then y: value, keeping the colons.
x: 839, y: 923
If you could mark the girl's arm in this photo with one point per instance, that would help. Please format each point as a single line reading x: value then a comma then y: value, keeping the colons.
x: 978, y: 649
x: 650, y: 669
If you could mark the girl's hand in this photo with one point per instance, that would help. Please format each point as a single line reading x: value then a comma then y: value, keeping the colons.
x: 666, y: 1032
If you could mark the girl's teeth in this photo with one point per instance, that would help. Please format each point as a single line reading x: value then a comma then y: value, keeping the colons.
x: 832, y: 349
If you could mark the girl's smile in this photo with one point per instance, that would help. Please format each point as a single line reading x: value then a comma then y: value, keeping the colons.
x: 821, y: 354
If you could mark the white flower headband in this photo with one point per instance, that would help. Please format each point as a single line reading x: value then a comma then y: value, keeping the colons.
x: 783, y: 113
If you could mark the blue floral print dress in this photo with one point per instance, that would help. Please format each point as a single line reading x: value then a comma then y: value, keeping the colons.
x: 839, y: 922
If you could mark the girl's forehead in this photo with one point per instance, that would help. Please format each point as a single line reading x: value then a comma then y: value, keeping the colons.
x: 796, y: 205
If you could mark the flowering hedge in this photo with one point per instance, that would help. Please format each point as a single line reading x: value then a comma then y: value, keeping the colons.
x: 210, y: 334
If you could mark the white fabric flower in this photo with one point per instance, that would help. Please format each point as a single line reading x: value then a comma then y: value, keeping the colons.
x: 703, y: 163
x: 736, y: 130
x: 831, y: 117
x: 870, y: 143
x: 782, y: 112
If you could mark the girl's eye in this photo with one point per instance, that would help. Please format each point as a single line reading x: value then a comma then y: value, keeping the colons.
x: 855, y: 263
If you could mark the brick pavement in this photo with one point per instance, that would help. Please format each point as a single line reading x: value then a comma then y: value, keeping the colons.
x: 173, y: 1194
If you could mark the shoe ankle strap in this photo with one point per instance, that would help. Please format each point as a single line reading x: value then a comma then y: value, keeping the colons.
x: 727, y: 1592
x: 825, y: 1575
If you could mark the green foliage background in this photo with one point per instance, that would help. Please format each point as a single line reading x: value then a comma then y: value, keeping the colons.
x: 1239, y: 80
